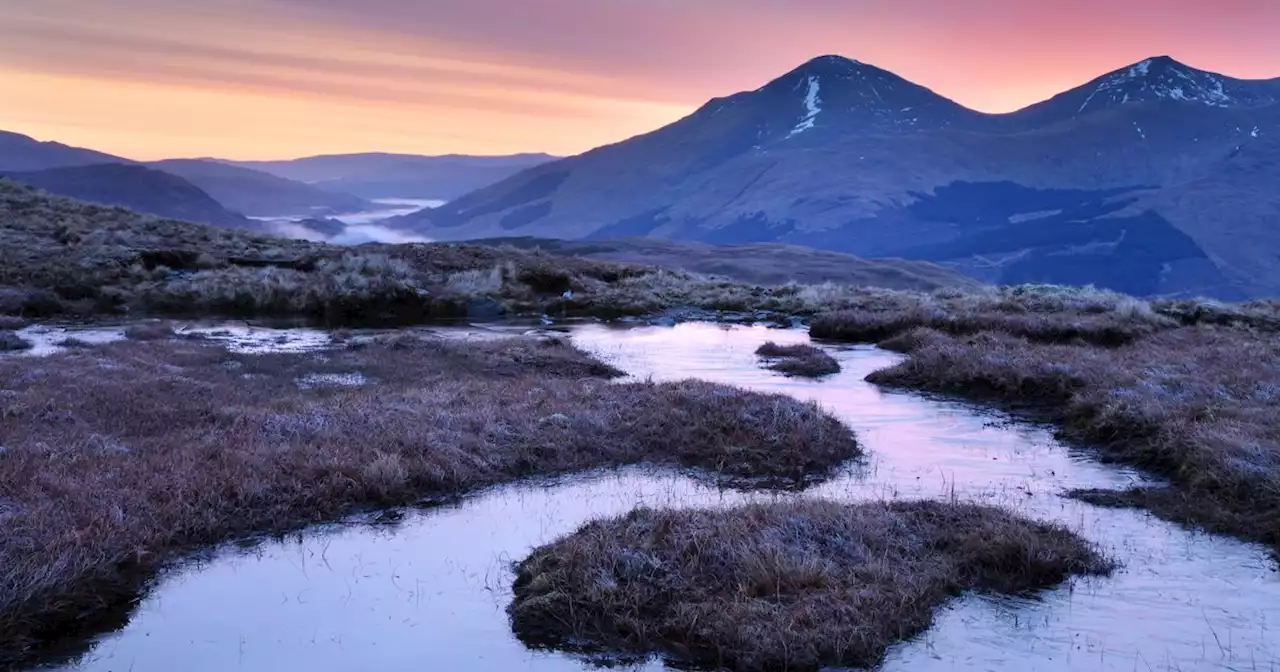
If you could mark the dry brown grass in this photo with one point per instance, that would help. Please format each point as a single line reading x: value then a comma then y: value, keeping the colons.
x: 1040, y: 313
x: 121, y: 458
x: 150, y: 331
x: 787, y: 586
x: 755, y: 264
x: 1196, y: 404
x: 798, y: 360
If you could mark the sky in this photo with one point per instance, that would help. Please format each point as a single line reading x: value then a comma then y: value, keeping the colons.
x: 269, y: 79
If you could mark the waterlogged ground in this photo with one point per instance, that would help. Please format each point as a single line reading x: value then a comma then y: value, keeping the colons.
x: 238, y: 337
x: 428, y: 591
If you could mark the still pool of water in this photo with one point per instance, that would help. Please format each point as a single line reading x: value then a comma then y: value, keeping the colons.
x: 49, y: 340
x: 429, y: 591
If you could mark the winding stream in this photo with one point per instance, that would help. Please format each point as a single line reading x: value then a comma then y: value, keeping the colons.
x: 428, y: 592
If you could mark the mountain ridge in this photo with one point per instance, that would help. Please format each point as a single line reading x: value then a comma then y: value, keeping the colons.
x: 376, y: 175
x: 135, y: 187
x: 841, y: 155
x: 260, y: 194
x: 23, y: 153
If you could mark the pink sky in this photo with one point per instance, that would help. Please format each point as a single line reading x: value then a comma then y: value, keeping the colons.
x: 280, y: 78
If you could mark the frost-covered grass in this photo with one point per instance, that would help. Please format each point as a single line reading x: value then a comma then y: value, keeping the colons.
x: 1043, y: 313
x: 785, y: 586
x: 121, y: 458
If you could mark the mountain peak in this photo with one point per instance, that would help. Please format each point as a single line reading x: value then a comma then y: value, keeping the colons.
x: 1163, y: 78
x: 836, y: 94
x: 829, y: 64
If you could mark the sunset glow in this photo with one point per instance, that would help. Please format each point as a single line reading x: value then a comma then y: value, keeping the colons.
x: 280, y: 78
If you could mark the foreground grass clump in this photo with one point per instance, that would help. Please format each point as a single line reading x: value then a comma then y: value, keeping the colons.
x: 788, y: 586
x: 150, y: 331
x: 1195, y: 404
x: 121, y: 458
x: 1040, y: 313
x: 799, y: 360
x: 10, y: 342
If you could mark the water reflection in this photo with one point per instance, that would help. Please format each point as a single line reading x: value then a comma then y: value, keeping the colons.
x: 430, y: 592
x: 48, y: 340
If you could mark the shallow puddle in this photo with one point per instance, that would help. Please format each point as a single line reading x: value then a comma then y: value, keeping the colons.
x: 429, y: 591
x: 49, y: 340
x: 247, y: 339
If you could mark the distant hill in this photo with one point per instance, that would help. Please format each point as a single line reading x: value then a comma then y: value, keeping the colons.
x: 1154, y: 179
x: 761, y: 263
x: 135, y: 187
x: 375, y: 176
x: 20, y: 153
x: 259, y: 194
x: 241, y: 190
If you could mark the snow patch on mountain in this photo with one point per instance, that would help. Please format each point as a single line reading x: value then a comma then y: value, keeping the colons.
x: 812, y: 106
x: 1163, y: 79
x: 1141, y: 69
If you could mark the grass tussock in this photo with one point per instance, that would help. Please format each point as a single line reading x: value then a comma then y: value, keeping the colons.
x: 786, y: 586
x: 754, y: 264
x: 11, y: 342
x: 1195, y: 404
x: 150, y: 331
x: 799, y: 360
x: 120, y: 459
x: 1039, y: 313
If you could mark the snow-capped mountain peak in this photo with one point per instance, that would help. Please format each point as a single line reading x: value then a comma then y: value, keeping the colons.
x: 837, y: 94
x: 1165, y: 79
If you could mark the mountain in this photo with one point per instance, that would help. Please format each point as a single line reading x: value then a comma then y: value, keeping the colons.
x: 246, y: 191
x: 260, y: 194
x: 20, y: 153
x: 376, y: 176
x: 1120, y: 182
x: 135, y: 187
x: 1154, y: 80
